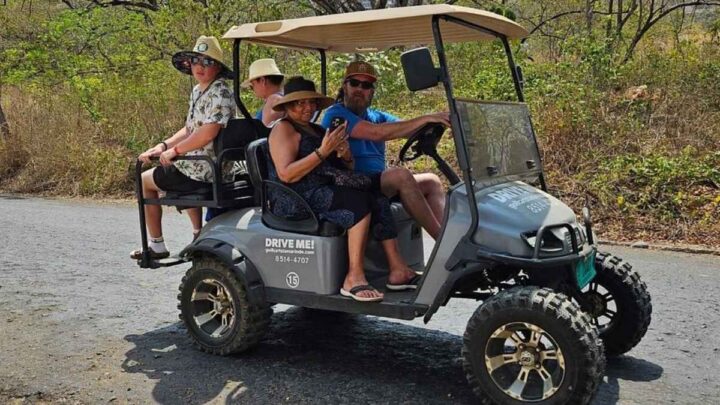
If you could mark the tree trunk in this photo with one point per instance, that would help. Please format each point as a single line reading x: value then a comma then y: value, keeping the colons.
x: 4, y: 126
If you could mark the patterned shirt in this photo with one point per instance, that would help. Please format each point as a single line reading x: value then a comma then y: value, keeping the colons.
x: 213, y: 106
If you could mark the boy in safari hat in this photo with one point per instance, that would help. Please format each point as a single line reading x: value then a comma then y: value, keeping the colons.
x: 211, y: 107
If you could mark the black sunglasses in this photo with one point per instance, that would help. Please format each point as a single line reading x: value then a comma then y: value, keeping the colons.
x: 196, y: 60
x: 355, y: 83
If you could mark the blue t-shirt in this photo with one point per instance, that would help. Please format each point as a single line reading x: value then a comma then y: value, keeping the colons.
x: 369, y: 155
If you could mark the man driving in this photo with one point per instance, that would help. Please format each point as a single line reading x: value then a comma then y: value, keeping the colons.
x: 421, y: 194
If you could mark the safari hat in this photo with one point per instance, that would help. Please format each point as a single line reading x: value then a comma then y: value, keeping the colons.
x: 361, y: 68
x: 208, y: 47
x: 261, y: 68
x: 299, y: 88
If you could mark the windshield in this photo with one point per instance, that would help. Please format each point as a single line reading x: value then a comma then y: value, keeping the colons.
x: 500, y: 140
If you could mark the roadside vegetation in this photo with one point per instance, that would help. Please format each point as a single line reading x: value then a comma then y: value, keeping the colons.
x: 625, y: 96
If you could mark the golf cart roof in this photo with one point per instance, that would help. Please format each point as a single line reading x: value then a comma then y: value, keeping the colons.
x: 374, y: 30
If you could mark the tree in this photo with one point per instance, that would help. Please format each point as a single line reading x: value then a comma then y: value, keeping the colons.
x: 627, y: 22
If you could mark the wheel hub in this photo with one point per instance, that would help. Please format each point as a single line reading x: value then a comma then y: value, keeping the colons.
x: 527, y: 358
x: 595, y: 303
x: 525, y: 362
x: 213, y: 308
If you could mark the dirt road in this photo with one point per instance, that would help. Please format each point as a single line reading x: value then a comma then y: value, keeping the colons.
x: 80, y: 323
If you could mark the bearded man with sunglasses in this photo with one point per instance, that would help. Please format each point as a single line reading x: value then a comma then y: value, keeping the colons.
x: 422, y: 194
x: 211, y: 107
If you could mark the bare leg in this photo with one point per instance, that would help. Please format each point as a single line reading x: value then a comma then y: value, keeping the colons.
x: 398, y: 180
x: 399, y: 271
x: 153, y: 213
x: 432, y: 188
x: 195, y: 215
x: 357, y: 240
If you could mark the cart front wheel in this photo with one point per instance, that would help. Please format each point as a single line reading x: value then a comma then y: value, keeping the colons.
x: 533, y: 345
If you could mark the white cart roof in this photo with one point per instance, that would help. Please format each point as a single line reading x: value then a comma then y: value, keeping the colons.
x: 374, y: 30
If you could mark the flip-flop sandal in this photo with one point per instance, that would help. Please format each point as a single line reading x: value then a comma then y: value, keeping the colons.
x: 353, y: 293
x: 137, y: 254
x: 408, y: 285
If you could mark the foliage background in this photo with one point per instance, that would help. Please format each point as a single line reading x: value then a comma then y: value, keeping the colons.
x: 625, y: 96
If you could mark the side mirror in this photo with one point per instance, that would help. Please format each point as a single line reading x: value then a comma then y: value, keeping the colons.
x: 420, y: 73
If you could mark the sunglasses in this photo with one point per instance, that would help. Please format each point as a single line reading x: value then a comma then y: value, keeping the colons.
x: 360, y: 83
x: 196, y: 60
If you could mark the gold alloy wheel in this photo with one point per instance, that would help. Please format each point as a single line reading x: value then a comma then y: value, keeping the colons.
x: 525, y: 362
x: 213, y: 308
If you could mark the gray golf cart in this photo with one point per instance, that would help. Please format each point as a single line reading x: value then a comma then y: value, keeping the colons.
x: 552, y: 305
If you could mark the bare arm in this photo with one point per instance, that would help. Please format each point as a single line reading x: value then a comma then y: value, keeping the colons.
x: 160, y: 148
x: 177, y: 137
x: 268, y: 114
x: 204, y: 135
x: 284, y: 144
x: 393, y: 130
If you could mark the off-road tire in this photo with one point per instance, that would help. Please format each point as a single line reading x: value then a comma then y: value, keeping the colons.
x: 556, y: 314
x: 632, y: 300
x: 251, y: 321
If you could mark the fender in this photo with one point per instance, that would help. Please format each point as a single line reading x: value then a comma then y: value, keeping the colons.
x: 443, y: 294
x: 243, y: 269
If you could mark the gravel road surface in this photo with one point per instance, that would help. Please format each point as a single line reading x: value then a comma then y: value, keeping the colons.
x: 81, y: 323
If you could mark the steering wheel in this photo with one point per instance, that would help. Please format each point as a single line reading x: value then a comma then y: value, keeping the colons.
x: 423, y: 142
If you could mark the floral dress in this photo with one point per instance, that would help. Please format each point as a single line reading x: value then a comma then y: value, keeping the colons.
x: 335, y: 193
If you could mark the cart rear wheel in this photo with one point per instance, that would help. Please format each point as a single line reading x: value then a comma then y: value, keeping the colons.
x: 215, y: 308
x: 532, y: 345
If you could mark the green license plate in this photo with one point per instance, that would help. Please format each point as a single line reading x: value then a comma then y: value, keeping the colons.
x: 585, y: 270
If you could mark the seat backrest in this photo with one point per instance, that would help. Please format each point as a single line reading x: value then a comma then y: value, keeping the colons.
x: 257, y: 162
x: 237, y: 134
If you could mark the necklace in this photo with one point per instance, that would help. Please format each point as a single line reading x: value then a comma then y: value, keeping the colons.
x: 192, y: 108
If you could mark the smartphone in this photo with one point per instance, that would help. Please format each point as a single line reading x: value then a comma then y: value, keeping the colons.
x: 336, y: 122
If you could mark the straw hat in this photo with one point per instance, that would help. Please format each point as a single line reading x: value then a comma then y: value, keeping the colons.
x: 208, y: 47
x: 261, y: 68
x: 359, y: 67
x: 299, y: 88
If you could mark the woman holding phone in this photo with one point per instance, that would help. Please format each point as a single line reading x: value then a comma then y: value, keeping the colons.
x: 318, y: 166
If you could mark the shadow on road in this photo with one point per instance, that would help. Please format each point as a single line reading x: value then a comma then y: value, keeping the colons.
x: 339, y: 358
x: 305, y: 356
x: 625, y: 368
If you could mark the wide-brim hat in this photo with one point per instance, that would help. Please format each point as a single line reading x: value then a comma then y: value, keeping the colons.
x: 299, y: 88
x: 261, y: 68
x: 207, y: 47
x: 361, y: 68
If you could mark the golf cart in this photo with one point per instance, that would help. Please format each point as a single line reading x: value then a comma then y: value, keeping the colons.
x: 552, y: 306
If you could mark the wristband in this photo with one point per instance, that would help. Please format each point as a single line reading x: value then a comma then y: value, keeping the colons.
x: 165, y: 145
x: 319, y: 155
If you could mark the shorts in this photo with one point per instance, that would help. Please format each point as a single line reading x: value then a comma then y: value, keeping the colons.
x: 171, y: 179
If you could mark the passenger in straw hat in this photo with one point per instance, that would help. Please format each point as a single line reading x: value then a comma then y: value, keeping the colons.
x: 265, y: 80
x: 318, y: 164
x: 211, y: 106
